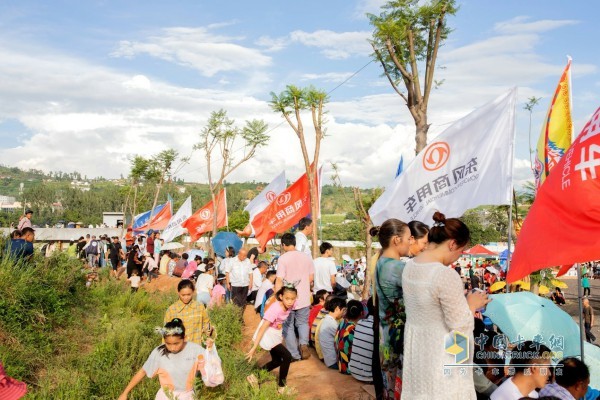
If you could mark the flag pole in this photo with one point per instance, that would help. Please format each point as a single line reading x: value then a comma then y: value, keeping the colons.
x: 510, y: 218
x: 580, y: 300
x: 579, y: 290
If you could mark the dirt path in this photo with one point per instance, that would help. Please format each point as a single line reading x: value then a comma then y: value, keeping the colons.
x: 310, y: 377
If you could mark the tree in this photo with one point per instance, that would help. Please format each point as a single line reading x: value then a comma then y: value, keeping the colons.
x: 161, y: 166
x: 217, y: 139
x: 290, y: 104
x: 408, y: 33
x: 140, y: 167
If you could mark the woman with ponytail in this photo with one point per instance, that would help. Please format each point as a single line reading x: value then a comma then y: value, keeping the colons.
x: 395, y: 239
x: 437, y: 313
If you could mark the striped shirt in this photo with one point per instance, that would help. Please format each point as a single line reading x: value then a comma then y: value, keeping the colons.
x: 362, y: 351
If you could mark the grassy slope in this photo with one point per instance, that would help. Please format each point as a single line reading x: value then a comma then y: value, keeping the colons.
x: 68, y: 342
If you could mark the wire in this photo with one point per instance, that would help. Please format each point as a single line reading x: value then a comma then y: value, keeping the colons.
x: 282, y: 122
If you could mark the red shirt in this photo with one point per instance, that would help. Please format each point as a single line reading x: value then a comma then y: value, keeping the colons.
x: 150, y: 245
x: 314, y: 311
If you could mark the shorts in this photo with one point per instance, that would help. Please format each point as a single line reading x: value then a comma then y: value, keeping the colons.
x: 114, y: 261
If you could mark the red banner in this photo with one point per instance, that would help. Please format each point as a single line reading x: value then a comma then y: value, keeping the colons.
x: 285, y: 211
x: 202, y: 220
x: 563, y: 223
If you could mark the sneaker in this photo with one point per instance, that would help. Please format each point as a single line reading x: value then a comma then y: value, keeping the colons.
x: 304, y: 352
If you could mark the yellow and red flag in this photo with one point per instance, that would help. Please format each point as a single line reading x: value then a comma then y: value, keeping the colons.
x: 563, y: 223
x: 557, y: 131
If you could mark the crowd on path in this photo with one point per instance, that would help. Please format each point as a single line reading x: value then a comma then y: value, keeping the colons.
x: 385, y: 325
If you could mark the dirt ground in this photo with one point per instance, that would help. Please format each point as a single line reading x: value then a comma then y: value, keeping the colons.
x: 311, y: 379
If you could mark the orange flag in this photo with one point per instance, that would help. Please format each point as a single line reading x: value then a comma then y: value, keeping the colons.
x: 285, y: 211
x: 563, y: 223
x: 202, y: 220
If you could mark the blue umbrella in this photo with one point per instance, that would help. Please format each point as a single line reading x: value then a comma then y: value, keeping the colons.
x: 524, y: 316
x: 592, y: 360
x: 223, y: 240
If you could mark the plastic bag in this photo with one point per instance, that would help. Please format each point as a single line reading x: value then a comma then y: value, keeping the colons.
x: 214, y: 371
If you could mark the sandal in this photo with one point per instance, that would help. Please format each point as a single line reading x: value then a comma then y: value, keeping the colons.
x: 253, y: 381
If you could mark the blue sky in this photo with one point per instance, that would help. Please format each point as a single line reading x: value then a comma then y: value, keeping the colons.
x: 86, y: 85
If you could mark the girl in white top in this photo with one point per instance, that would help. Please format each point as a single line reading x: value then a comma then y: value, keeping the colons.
x: 438, y: 315
x: 205, y: 284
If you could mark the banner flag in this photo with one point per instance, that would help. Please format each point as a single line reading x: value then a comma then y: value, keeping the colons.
x: 161, y: 216
x: 174, y: 227
x: 468, y: 165
x: 285, y: 211
x: 400, y: 167
x: 266, y: 196
x: 202, y: 220
x: 557, y: 131
x: 562, y: 225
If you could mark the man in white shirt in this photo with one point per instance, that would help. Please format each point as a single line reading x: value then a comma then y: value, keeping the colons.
x: 325, y: 269
x: 257, y: 277
x: 238, y: 274
x: 304, y: 231
x: 529, y: 373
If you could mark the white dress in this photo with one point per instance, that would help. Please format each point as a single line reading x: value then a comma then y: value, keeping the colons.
x: 435, y: 306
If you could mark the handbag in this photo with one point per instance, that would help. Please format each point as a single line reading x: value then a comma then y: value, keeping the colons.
x: 214, y: 371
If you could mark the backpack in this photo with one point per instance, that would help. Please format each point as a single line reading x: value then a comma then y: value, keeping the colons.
x: 92, y: 248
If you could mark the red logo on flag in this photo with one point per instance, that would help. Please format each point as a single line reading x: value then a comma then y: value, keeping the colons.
x: 205, y: 214
x: 436, y: 156
x: 284, y: 198
x: 271, y: 195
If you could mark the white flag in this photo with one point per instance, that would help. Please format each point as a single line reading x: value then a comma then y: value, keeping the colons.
x: 468, y: 165
x: 267, y: 196
x: 174, y: 228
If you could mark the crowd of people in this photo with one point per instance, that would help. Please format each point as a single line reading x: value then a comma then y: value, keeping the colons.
x: 386, y: 325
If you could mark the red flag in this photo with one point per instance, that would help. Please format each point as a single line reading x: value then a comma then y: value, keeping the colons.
x: 563, y: 223
x: 564, y: 269
x: 202, y: 220
x: 284, y: 212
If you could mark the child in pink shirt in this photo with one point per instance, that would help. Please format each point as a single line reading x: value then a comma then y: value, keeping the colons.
x: 217, y: 297
x: 269, y: 336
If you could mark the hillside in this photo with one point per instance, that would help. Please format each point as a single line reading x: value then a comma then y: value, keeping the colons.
x: 57, y: 196
x: 62, y: 197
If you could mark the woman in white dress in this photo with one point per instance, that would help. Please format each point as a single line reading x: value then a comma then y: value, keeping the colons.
x: 436, y: 308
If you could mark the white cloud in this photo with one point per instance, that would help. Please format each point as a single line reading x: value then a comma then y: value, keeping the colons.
x: 335, y: 45
x: 90, y: 118
x: 368, y: 6
x: 272, y: 44
x: 522, y: 24
x: 196, y: 48
x: 327, y: 77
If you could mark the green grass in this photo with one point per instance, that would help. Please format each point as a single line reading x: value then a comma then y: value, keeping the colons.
x: 69, y: 342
